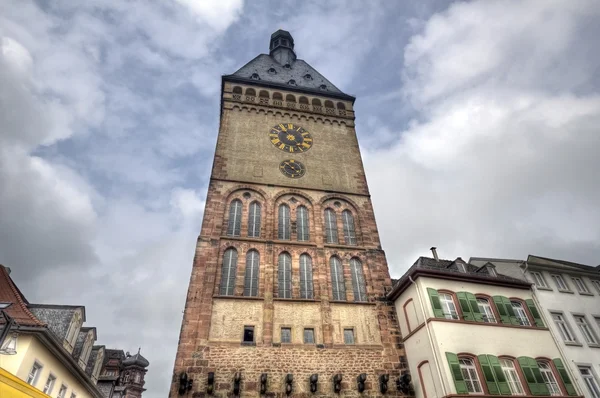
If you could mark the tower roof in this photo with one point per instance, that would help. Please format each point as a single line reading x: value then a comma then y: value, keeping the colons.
x: 281, y: 68
x: 136, y: 359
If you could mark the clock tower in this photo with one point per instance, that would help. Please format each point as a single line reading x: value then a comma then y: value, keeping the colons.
x: 288, y: 284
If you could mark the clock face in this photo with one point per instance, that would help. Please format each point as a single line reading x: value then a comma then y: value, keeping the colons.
x: 292, y: 168
x: 290, y: 138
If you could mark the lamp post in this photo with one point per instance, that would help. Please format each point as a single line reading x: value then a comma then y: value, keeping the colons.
x: 10, y: 349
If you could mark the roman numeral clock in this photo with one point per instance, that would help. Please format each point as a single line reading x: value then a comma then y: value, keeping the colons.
x: 292, y: 139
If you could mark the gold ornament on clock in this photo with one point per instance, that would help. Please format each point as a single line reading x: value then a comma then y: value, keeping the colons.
x: 290, y: 138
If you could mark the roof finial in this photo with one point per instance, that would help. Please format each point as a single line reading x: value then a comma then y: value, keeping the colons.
x: 139, y: 349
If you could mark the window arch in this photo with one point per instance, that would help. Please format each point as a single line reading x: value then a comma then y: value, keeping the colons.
x: 306, y: 277
x: 290, y: 98
x: 331, y: 233
x: 284, y: 276
x: 486, y: 309
x: 358, y: 280
x: 468, y: 368
x: 449, y: 307
x: 263, y: 94
x: 328, y: 104
x: 509, y: 368
x: 250, y: 91
x: 520, y: 312
x: 228, y: 272
x: 316, y: 102
x: 278, y: 96
x: 237, y: 90
x: 303, y: 100
x: 340, y: 105
x: 349, y: 232
x: 283, y: 230
x: 251, y: 277
x: 337, y: 279
x: 302, y: 224
x: 254, y: 218
x: 235, y: 218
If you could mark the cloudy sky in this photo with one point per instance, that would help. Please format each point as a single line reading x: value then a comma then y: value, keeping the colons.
x: 478, y: 123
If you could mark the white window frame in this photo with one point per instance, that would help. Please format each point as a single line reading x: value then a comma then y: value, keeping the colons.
x: 520, y: 313
x: 549, y: 378
x: 461, y: 267
x: 73, y: 327
x: 34, y: 373
x: 596, y: 284
x: 62, y: 391
x: 470, y: 375
x: 564, y: 329
x: 559, y: 280
x: 48, y: 387
x: 580, y: 285
x: 486, y: 310
x: 586, y: 329
x: 449, y: 311
x: 512, y: 377
x: 590, y: 380
x: 539, y: 280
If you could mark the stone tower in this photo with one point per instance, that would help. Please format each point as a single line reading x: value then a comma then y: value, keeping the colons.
x: 289, y: 277
x: 134, y: 368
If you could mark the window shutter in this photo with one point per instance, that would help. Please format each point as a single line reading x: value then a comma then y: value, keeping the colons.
x: 488, y: 372
x: 464, y: 306
x: 533, y: 376
x: 435, y: 303
x: 535, y: 313
x: 510, y: 311
x: 474, y: 307
x: 504, y: 317
x: 459, y: 382
x: 564, y: 375
x: 499, y: 373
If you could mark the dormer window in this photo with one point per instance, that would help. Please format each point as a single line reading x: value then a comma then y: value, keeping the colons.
x: 492, y: 271
x: 292, y: 82
x: 255, y: 76
x: 323, y: 87
x: 287, y: 66
x: 272, y: 71
x: 461, y: 267
x: 308, y: 76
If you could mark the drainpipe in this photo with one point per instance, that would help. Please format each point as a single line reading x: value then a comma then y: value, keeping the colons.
x: 430, y: 338
x: 536, y: 300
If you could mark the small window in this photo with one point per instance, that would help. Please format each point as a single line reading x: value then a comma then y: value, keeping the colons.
x: 539, y: 280
x: 580, y: 284
x: 316, y: 102
x: 251, y: 91
x: 349, y: 336
x: 461, y: 267
x: 585, y: 329
x: 323, y: 87
x: 286, y: 335
x: 292, y: 82
x: 309, y: 336
x: 486, y: 310
x: 512, y: 377
x: 287, y: 66
x: 237, y: 90
x: 308, y: 76
x: 272, y: 71
x: 248, y: 334
x: 62, y: 392
x: 49, y: 384
x: 448, y: 306
x: 469, y: 374
x: 255, y: 76
x: 596, y: 284
x: 560, y: 282
x: 549, y: 379
x: 73, y: 395
x: 520, y: 313
x: 590, y: 381
x: 34, y: 373
x: 278, y: 96
x: 563, y: 327
x: 284, y: 42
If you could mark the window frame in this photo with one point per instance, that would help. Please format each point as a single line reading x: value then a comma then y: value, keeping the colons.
x: 525, y: 310
x: 537, y: 277
x: 476, y: 368
x: 555, y: 375
x: 581, y: 286
x: 331, y: 229
x: 349, y: 228
x: 224, y: 289
x: 339, y: 284
x: 234, y: 222
x: 312, y: 329
x: 64, y: 392
x: 592, y: 376
x: 359, y: 284
x: 307, y: 288
x: 284, y: 285
x: 302, y: 218
x: 518, y: 373
x: 492, y: 307
x: 590, y: 330
x: 254, y: 219
x: 252, y: 274
x: 49, y: 390
x: 558, y: 277
x: 284, y: 226
x: 596, y: 284
x: 289, y: 330
x: 253, y: 329
x: 567, y: 327
x: 38, y: 366
x: 454, y: 301
x: 349, y: 329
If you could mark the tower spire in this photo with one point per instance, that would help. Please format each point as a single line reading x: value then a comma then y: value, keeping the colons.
x: 281, y: 47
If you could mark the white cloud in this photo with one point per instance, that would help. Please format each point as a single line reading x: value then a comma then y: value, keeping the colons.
x: 219, y: 14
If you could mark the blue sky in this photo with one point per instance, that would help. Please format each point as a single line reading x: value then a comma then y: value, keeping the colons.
x: 478, y: 122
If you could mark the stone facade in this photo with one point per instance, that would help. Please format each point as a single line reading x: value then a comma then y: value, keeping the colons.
x: 246, y: 168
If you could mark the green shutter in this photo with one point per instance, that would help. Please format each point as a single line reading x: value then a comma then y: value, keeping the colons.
x: 488, y: 373
x: 510, y: 311
x: 474, y: 307
x: 534, y: 312
x: 459, y: 382
x: 564, y: 375
x: 504, y: 317
x: 533, y: 376
x: 435, y: 303
x: 464, y: 306
x: 499, y: 373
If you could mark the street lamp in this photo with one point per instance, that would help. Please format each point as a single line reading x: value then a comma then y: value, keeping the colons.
x: 8, y: 345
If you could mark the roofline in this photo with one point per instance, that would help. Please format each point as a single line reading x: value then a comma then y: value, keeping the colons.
x: 491, y: 259
x: 415, y: 273
x: 21, y: 300
x: 61, y: 306
x: 50, y: 342
x: 564, y: 262
x: 262, y: 83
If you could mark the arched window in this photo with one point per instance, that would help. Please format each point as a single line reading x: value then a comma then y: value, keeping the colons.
x: 303, y: 100
x: 283, y: 232
x: 337, y: 279
x: 470, y: 375
x: 290, y: 98
x: 486, y: 310
x: 228, y: 271
x: 512, y: 377
x: 251, y: 277
x: 358, y: 280
x: 263, y: 94
x: 331, y: 235
x: 328, y: 104
x: 340, y: 105
x: 520, y: 313
x: 316, y: 102
x: 254, y: 220
x: 284, y: 276
x: 302, y: 225
x: 549, y: 379
x: 235, y: 218
x: 278, y: 96
x: 448, y: 306
x: 250, y: 91
x: 349, y: 234
x: 306, y: 277
x: 237, y: 90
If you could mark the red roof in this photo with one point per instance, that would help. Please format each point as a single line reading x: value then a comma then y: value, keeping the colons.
x: 18, y: 309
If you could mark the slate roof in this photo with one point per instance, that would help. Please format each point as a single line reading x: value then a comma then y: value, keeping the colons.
x: 89, y: 368
x: 531, y: 259
x: 58, y: 317
x: 79, y: 342
x: 136, y: 359
x: 110, y: 353
x: 106, y: 387
x: 9, y: 293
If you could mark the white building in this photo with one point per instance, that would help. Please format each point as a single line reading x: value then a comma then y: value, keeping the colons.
x: 569, y: 296
x: 471, y: 330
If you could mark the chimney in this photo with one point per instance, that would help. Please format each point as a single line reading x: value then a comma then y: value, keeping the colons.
x: 435, y: 256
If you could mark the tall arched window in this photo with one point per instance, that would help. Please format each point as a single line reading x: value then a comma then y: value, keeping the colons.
x: 235, y: 218
x: 302, y: 225
x: 337, y: 279
x: 349, y: 234
x: 284, y: 276
x: 358, y: 280
x: 284, y: 222
x: 228, y: 271
x: 254, y: 220
x: 306, y: 277
x: 251, y: 277
x: 331, y: 235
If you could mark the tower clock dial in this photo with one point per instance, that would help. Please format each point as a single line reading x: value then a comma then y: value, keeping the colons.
x: 290, y: 138
x: 292, y: 168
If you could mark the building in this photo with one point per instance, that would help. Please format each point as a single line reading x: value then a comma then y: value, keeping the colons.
x: 569, y: 296
x: 472, y: 330
x: 289, y: 278
x: 46, y: 350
